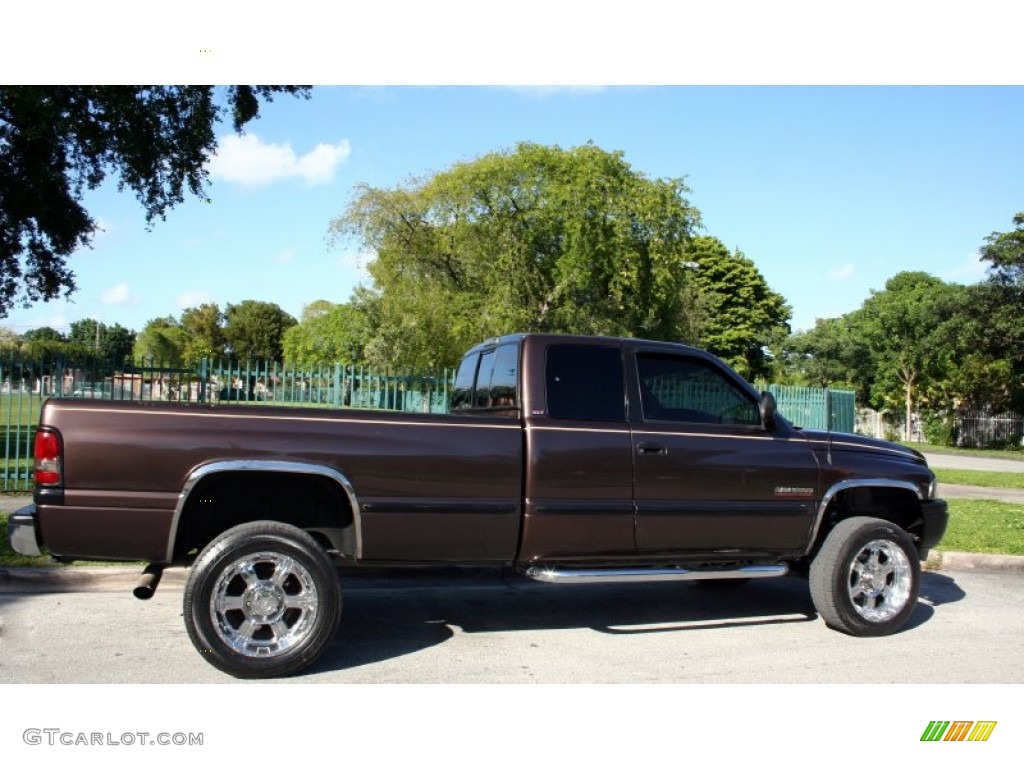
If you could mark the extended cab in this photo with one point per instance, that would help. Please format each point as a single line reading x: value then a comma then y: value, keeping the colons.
x: 576, y: 459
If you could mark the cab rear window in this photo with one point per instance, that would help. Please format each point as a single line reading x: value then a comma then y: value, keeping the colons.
x: 585, y: 383
x: 487, y: 380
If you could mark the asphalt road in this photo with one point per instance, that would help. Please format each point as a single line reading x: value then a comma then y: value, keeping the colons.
x: 491, y: 628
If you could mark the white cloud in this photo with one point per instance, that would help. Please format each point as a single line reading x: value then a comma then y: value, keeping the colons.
x: 842, y: 273
x: 248, y: 160
x: 118, y: 295
x: 191, y: 299
x: 287, y: 256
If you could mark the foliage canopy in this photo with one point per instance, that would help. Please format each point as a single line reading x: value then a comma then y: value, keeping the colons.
x: 58, y: 141
x: 535, y: 239
x: 734, y: 313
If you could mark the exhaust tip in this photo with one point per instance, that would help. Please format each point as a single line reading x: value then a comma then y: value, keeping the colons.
x: 148, y: 583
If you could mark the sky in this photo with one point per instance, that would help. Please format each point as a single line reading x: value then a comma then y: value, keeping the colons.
x: 830, y: 190
x: 830, y: 187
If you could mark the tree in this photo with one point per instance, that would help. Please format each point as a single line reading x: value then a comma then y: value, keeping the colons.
x: 204, y: 328
x: 117, y: 343
x: 162, y: 341
x: 989, y: 332
x: 255, y: 329
x: 327, y: 333
x: 832, y: 354
x: 1005, y: 251
x: 43, y: 343
x: 907, y: 329
x: 44, y: 334
x: 58, y: 141
x: 740, y: 317
x: 534, y: 239
x: 113, y: 343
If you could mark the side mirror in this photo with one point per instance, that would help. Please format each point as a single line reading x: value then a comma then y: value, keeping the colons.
x: 768, y: 409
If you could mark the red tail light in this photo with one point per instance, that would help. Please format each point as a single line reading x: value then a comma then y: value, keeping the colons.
x: 48, y: 458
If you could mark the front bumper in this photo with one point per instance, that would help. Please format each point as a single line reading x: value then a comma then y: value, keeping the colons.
x: 23, y: 531
x: 936, y: 518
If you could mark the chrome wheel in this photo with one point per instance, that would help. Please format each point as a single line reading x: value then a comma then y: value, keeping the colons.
x: 866, y: 577
x: 880, y: 580
x: 262, y: 600
x: 263, y: 604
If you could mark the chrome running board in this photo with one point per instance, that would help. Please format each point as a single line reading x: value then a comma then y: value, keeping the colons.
x: 552, y: 575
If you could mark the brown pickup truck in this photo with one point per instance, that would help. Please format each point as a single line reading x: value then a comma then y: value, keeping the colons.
x: 575, y: 459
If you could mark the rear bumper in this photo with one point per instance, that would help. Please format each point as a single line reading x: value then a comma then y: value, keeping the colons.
x: 936, y: 518
x: 23, y: 532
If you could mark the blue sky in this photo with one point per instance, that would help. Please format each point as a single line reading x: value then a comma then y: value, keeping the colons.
x: 830, y: 190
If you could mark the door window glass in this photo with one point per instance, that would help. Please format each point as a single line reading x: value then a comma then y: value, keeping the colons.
x: 687, y: 389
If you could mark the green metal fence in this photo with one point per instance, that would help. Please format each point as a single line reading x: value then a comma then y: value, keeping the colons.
x: 26, y: 382
x: 816, y: 408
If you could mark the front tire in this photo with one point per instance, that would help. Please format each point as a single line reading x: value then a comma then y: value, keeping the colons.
x: 262, y: 600
x: 866, y: 578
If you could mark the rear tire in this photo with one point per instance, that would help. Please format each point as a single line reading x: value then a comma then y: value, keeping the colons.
x: 866, y: 578
x: 262, y: 600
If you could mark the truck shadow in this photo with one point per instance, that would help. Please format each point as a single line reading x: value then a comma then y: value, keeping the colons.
x: 936, y: 589
x: 384, y: 622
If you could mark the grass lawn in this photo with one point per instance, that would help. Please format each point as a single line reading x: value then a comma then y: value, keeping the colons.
x: 11, y: 559
x: 989, y: 527
x: 982, y: 479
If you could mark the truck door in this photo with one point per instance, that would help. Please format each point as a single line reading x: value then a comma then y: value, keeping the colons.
x: 710, y: 479
x: 579, y: 457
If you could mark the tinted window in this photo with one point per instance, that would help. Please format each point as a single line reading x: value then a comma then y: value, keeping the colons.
x: 482, y: 396
x: 688, y: 389
x: 586, y: 383
x: 505, y: 378
x: 462, y: 395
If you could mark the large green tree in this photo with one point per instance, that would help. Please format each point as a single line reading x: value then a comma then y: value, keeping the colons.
x: 162, y: 342
x: 256, y: 329
x: 204, y: 327
x: 908, y: 327
x: 1005, y: 253
x: 834, y: 353
x: 327, y: 333
x: 42, y: 342
x: 114, y: 343
x: 738, y: 316
x: 992, y: 330
x: 538, y: 238
x: 56, y: 142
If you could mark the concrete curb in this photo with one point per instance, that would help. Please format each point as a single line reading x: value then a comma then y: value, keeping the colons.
x: 970, y: 561
x: 124, y: 579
